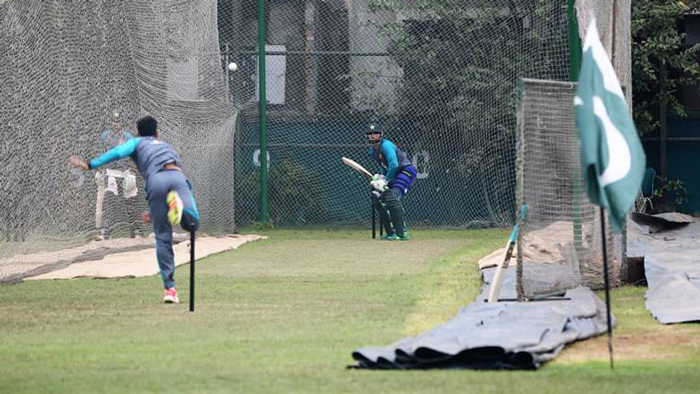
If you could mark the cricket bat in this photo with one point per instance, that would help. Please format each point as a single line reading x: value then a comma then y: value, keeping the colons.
x: 497, y: 281
x: 355, y: 166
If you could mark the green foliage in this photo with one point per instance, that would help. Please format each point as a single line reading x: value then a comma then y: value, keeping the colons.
x: 661, y: 62
x: 460, y: 63
x: 671, y: 195
x: 261, y: 226
x: 292, y: 192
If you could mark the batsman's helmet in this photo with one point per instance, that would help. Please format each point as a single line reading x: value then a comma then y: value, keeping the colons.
x: 375, y: 128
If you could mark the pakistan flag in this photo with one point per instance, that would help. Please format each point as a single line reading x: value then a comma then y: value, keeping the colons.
x: 612, y: 157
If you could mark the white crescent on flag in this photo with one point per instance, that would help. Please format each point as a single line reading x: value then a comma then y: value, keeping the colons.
x: 612, y: 156
x: 619, y: 165
x: 619, y: 156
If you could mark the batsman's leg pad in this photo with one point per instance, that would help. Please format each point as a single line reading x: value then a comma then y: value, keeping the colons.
x: 392, y: 201
x: 384, y: 219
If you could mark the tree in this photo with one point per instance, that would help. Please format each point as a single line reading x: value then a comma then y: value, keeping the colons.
x: 461, y: 60
x: 661, y: 62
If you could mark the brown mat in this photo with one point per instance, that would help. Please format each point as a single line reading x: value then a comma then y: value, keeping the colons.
x: 143, y: 262
x: 542, y: 246
x: 14, y: 269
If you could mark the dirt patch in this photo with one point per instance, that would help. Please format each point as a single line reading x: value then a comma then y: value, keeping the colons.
x: 666, y: 343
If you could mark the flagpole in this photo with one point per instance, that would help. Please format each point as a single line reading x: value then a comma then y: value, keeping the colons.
x: 612, y: 156
x: 607, y: 287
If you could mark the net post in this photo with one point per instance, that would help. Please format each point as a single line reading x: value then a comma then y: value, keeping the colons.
x: 574, y: 71
x: 226, y: 70
x: 262, y: 104
x: 574, y: 41
x: 519, y: 187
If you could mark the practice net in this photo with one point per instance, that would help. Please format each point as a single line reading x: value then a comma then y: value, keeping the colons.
x: 439, y: 76
x: 65, y: 68
x: 559, y: 238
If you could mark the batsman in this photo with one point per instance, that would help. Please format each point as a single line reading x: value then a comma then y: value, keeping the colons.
x: 391, y: 184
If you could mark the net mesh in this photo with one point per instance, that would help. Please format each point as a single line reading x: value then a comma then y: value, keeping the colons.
x: 613, y: 21
x: 66, y: 68
x: 559, y: 240
x: 439, y: 76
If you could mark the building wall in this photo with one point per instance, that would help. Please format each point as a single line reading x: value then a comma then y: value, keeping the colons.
x: 370, y: 92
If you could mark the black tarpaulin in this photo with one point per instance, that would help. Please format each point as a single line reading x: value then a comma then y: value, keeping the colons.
x: 504, y: 335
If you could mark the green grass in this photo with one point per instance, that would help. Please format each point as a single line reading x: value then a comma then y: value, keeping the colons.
x: 283, y: 315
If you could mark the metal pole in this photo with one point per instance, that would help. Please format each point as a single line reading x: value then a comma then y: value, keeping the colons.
x: 238, y: 51
x: 574, y: 42
x: 607, y: 287
x: 519, y: 91
x: 262, y: 105
x: 574, y: 71
x: 663, y: 127
x: 226, y: 62
x: 192, y: 271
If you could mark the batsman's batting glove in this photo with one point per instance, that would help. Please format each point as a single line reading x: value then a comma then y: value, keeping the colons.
x: 379, y: 184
